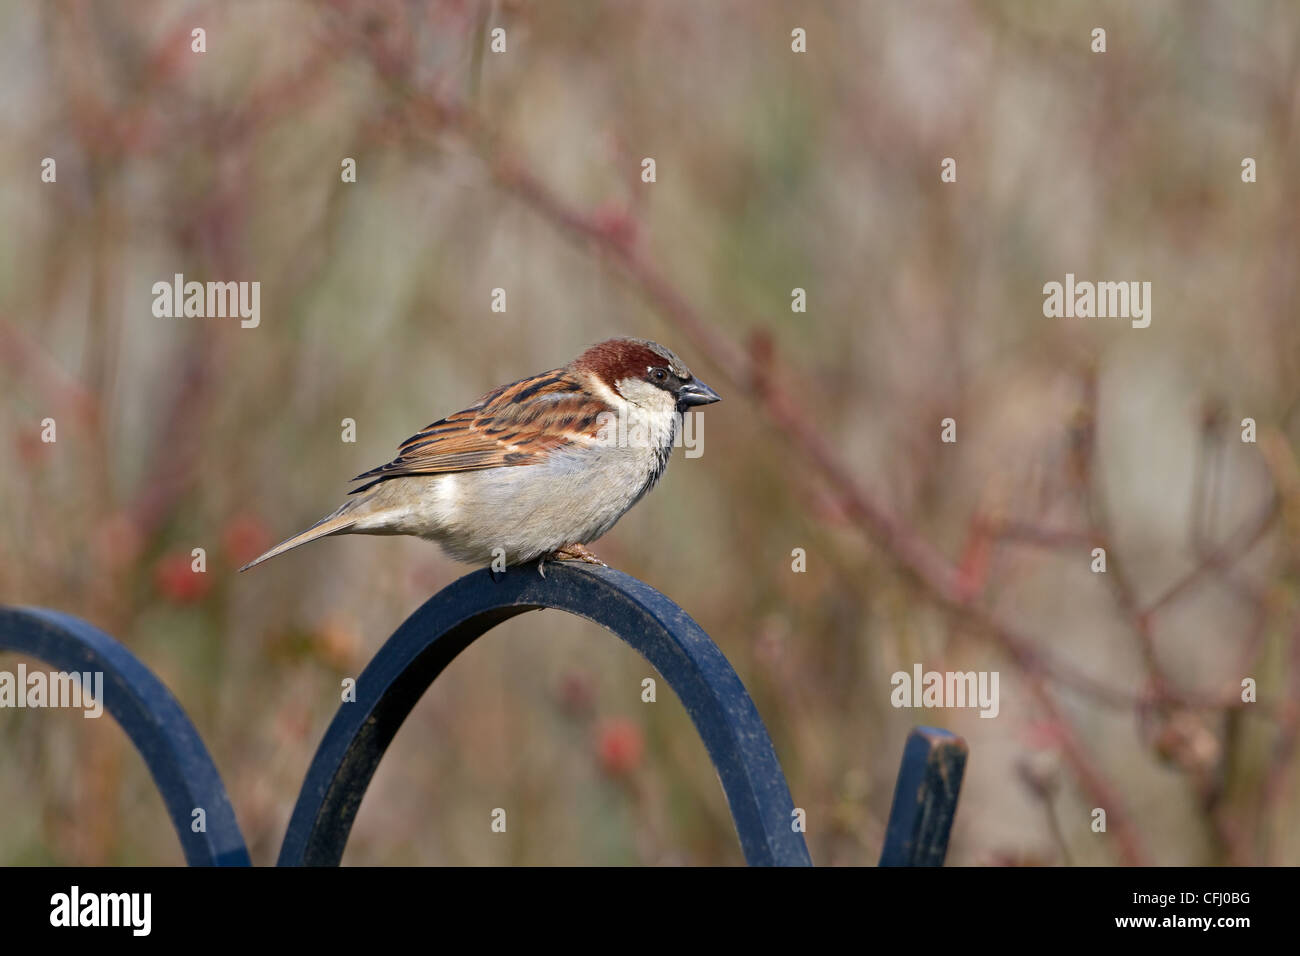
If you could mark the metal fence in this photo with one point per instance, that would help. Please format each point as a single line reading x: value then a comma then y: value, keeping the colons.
x: 765, y: 817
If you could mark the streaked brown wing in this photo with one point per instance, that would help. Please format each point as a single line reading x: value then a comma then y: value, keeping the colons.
x: 509, y: 426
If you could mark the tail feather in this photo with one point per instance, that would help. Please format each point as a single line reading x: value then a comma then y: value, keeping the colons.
x: 337, y: 523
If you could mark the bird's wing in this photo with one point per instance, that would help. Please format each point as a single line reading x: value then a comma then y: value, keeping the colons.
x: 516, y: 424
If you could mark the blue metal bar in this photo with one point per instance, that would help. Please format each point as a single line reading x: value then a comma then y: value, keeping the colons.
x: 450, y: 621
x: 925, y: 799
x: 925, y: 796
x: 181, y: 767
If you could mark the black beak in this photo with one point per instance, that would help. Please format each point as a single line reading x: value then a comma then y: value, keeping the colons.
x: 696, y: 392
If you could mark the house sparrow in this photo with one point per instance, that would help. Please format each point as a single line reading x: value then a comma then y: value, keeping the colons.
x: 537, y: 468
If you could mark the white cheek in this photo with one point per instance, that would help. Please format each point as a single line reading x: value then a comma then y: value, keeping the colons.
x: 605, y: 393
x: 646, y: 396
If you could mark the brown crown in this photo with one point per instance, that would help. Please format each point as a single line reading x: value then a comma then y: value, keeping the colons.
x: 627, y: 358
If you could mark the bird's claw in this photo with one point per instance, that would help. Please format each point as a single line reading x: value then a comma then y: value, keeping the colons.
x: 570, y: 552
x: 578, y: 552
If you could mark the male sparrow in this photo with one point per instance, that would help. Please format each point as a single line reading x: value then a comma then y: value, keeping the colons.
x: 534, y: 469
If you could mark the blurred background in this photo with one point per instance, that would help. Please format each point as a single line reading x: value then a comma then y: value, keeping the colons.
x: 775, y: 170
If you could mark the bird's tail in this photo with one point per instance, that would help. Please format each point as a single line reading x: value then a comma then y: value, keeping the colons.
x: 337, y: 523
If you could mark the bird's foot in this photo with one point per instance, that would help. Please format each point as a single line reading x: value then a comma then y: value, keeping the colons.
x: 578, y: 552
x: 570, y: 552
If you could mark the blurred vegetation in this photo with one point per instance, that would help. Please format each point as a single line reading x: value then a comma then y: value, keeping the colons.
x: 775, y: 170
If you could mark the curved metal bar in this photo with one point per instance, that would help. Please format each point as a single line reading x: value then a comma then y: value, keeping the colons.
x: 454, y: 618
x: 925, y: 799
x: 181, y: 767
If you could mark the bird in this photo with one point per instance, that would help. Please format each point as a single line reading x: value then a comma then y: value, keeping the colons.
x: 534, y: 470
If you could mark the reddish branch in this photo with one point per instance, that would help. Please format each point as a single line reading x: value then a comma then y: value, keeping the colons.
x: 754, y: 369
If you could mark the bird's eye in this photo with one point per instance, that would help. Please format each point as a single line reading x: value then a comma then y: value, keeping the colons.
x: 658, y: 374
